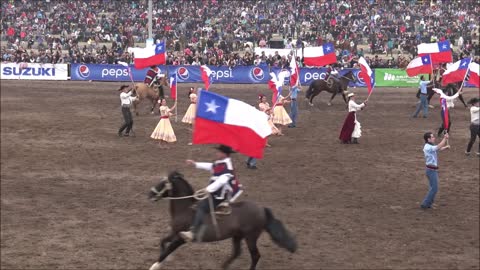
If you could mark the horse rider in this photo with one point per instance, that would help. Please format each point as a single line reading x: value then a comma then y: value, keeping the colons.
x: 332, y: 72
x: 222, y: 186
x: 151, y: 77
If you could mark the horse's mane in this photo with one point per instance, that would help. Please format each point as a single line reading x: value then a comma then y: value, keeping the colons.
x: 179, y: 181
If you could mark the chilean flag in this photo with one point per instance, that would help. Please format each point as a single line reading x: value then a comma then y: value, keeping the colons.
x: 366, y: 73
x: 173, y: 86
x: 206, y: 76
x: 230, y: 122
x: 474, y: 70
x: 319, y: 56
x: 443, y: 103
x: 150, y: 56
x: 456, y: 72
x: 420, y: 65
x: 275, y: 84
x: 439, y: 52
x: 294, y: 72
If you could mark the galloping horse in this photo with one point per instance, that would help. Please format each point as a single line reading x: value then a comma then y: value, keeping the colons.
x: 331, y: 86
x: 245, y: 221
x: 145, y: 92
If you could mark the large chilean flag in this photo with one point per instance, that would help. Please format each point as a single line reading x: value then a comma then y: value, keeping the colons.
x: 420, y: 65
x: 440, y: 52
x: 456, y: 72
x: 150, y: 56
x: 319, y: 56
x: 230, y: 122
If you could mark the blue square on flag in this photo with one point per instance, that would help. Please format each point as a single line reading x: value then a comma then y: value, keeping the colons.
x: 464, y: 63
x: 426, y: 60
x: 211, y: 106
x: 444, y: 46
x: 328, y: 48
x: 160, y: 48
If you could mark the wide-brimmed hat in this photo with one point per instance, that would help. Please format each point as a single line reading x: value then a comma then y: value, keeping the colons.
x: 351, y: 95
x: 225, y: 149
x: 122, y: 87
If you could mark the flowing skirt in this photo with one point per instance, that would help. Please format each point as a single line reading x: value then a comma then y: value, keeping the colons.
x: 190, y: 114
x: 275, y: 130
x: 164, y: 131
x: 280, y: 116
x: 348, y: 128
x: 357, y: 131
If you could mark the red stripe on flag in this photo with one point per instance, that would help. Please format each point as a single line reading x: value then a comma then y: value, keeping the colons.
x: 242, y: 139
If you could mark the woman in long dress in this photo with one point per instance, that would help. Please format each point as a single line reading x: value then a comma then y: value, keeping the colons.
x: 164, y: 131
x: 352, y: 130
x: 189, y: 117
x: 265, y: 107
x: 280, y: 115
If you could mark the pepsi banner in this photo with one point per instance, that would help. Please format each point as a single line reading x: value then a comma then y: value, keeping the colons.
x: 308, y: 75
x: 185, y: 74
x: 33, y: 71
x: 191, y: 74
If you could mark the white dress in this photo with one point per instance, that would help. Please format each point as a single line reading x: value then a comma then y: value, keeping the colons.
x: 354, y: 107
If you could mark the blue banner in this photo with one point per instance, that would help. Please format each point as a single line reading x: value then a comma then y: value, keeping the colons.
x: 191, y: 74
x: 185, y: 74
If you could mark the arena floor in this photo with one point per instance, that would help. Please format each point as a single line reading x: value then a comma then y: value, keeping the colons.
x: 73, y: 194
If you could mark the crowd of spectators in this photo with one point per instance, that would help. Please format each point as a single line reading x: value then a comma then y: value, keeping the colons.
x: 221, y: 32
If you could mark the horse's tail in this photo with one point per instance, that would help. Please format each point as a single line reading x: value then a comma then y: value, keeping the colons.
x: 279, y: 234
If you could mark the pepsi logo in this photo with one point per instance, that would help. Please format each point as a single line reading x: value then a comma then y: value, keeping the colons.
x: 83, y: 71
x: 183, y: 73
x: 359, y: 77
x: 257, y: 73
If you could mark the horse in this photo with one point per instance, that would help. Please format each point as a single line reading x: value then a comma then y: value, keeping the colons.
x: 331, y: 86
x: 246, y: 221
x: 144, y: 91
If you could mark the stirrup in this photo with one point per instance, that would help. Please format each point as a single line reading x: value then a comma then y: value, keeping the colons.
x: 223, y: 209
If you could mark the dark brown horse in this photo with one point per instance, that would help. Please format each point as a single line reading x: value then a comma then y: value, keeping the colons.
x: 331, y: 86
x: 246, y: 221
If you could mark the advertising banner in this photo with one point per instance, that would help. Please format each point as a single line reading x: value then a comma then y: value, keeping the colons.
x: 191, y: 74
x: 33, y: 71
x: 187, y: 74
x: 395, y: 78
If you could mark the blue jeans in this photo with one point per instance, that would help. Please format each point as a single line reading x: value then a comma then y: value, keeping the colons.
x: 293, y: 112
x: 433, y: 182
x: 423, y: 104
x: 252, y: 161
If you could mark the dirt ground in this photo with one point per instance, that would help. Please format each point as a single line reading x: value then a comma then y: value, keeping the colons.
x: 73, y: 194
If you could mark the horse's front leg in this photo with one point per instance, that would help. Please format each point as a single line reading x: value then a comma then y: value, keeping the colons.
x: 166, y: 240
x: 176, y: 243
x: 333, y: 96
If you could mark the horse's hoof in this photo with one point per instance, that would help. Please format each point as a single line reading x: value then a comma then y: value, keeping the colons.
x: 156, y: 266
x: 329, y: 104
x: 311, y: 104
x: 152, y: 112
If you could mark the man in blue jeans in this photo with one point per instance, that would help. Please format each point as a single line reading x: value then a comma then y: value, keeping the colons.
x: 252, y: 163
x: 423, y: 98
x: 294, y: 106
x: 431, y: 160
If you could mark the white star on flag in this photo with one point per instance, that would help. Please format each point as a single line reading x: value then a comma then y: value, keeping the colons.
x: 464, y: 64
x: 327, y: 48
x: 212, y: 107
x: 444, y: 46
x: 425, y: 59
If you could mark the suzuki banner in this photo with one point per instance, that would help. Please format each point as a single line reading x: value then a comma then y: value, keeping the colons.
x: 191, y: 74
x: 33, y: 71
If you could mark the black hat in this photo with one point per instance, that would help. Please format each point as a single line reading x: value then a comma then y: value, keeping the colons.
x: 122, y: 87
x: 474, y: 100
x: 225, y: 149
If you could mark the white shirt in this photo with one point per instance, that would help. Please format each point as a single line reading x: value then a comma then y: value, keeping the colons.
x: 449, y: 99
x: 475, y: 115
x: 219, y: 181
x: 125, y: 98
x: 353, y: 107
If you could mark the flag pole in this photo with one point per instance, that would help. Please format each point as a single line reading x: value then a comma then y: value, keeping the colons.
x: 431, y: 65
x: 176, y: 96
